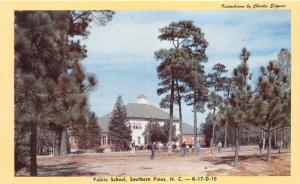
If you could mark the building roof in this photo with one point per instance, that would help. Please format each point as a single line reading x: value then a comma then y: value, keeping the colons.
x: 137, y: 111
x: 187, y: 129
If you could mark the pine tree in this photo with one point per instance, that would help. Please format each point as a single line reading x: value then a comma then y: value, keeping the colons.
x: 272, y: 102
x: 167, y: 71
x: 75, y: 83
x: 197, y: 94
x: 216, y: 82
x: 227, y: 89
x: 35, y: 44
x: 89, y: 136
x: 119, y: 132
x: 45, y: 138
x: 236, y: 112
x: 284, y: 62
x: 188, y: 45
x: 207, y: 128
x: 49, y: 82
x: 94, y: 131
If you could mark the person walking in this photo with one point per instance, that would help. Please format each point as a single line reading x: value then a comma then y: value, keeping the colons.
x: 197, y: 148
x: 133, y: 148
x: 153, y: 147
x: 260, y: 145
x: 219, y: 146
x: 183, y: 147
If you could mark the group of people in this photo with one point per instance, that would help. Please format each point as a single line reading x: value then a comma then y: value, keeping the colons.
x: 184, y: 148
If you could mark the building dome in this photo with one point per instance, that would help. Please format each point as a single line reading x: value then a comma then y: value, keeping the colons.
x: 142, y: 99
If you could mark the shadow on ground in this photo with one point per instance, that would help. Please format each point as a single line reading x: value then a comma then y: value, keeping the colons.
x: 67, y: 169
x: 230, y: 159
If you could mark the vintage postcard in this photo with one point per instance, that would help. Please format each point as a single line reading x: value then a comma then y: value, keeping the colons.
x: 149, y: 92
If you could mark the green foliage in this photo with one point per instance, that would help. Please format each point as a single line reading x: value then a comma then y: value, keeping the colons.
x: 272, y: 102
x: 36, y: 42
x: 197, y: 88
x: 215, y: 79
x: 217, y: 82
x: 155, y: 133
x: 180, y: 63
x: 207, y: 128
x: 50, y: 85
x: 94, y: 130
x: 236, y: 111
x: 22, y: 147
x: 119, y: 132
x: 46, y: 137
x: 89, y: 135
x: 267, y: 107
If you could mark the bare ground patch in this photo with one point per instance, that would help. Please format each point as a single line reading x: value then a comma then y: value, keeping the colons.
x: 140, y: 164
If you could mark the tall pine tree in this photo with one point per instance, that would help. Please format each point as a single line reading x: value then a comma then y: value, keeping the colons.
x: 236, y: 111
x: 216, y: 82
x: 272, y: 102
x: 188, y: 45
x: 50, y: 85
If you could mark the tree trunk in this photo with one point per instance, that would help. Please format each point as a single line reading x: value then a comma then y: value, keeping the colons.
x: 180, y: 112
x: 58, y: 136
x: 236, y: 154
x: 213, y: 133
x: 281, y: 141
x: 264, y: 140
x: 275, y: 138
x: 33, y: 149
x: 64, y: 142
x: 269, y: 145
x: 195, y: 125
x: 225, y: 136
x: 171, y: 114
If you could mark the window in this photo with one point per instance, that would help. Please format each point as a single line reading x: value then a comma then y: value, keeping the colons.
x: 104, y: 140
x: 137, y: 126
x: 139, y: 140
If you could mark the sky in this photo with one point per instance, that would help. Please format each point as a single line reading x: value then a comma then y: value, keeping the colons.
x: 121, y: 54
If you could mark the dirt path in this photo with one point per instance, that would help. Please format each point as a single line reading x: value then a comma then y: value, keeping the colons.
x: 139, y: 164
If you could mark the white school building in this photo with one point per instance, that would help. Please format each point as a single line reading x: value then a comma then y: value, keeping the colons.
x: 139, y: 114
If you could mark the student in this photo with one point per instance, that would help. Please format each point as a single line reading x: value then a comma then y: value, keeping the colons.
x: 197, y: 148
x: 153, y: 146
x: 260, y: 145
x: 219, y: 146
x: 183, y: 146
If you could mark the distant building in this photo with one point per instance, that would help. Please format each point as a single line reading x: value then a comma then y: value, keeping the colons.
x: 188, y: 135
x: 73, y: 143
x: 139, y: 114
